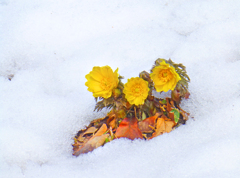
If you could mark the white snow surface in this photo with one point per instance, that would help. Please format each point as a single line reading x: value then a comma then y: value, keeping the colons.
x: 49, y: 46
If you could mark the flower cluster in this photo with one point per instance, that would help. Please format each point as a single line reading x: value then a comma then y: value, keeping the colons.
x: 107, y: 87
x: 135, y: 111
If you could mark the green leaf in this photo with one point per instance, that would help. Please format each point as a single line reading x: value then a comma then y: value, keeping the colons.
x: 143, y: 116
x: 107, y: 140
x: 164, y: 101
x: 176, y: 114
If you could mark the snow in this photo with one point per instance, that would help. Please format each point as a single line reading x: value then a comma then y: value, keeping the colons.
x: 49, y: 46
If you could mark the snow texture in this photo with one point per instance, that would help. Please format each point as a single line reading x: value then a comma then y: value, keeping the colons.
x: 47, y: 47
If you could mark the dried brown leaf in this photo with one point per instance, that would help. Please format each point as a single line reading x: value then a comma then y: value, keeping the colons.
x: 169, y: 108
x: 128, y: 128
x: 163, y: 125
x: 101, y: 131
x: 90, y: 130
x: 95, y: 141
x: 92, y: 144
x: 81, y: 138
x: 147, y: 125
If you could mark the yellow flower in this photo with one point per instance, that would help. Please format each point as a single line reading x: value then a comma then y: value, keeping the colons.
x: 136, y: 90
x: 101, y: 81
x: 164, y: 77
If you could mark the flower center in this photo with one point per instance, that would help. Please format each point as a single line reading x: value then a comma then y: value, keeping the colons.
x: 137, y: 90
x: 165, y: 75
x: 105, y: 84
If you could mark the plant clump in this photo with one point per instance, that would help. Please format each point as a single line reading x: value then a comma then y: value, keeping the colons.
x: 134, y: 111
